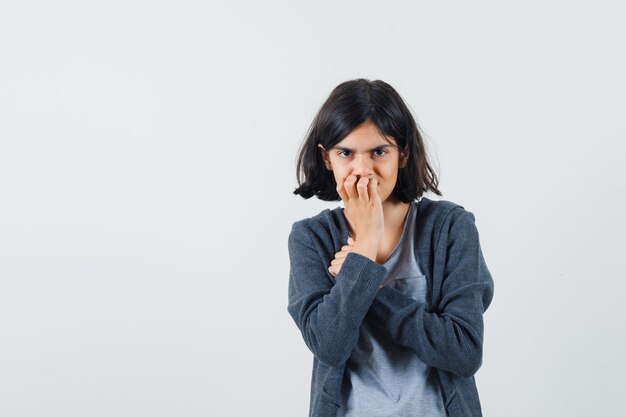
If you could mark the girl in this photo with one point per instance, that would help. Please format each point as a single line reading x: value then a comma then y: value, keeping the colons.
x: 388, y: 292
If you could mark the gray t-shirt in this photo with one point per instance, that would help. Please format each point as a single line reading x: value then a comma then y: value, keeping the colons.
x: 382, y: 378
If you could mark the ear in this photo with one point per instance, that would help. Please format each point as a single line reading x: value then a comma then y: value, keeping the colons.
x: 325, y: 157
x: 404, y: 158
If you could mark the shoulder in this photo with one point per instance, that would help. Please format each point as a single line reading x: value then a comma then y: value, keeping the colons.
x: 312, y: 223
x: 324, y: 228
x: 446, y: 217
x: 439, y: 211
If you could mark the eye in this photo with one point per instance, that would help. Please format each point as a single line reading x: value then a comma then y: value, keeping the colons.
x: 376, y: 152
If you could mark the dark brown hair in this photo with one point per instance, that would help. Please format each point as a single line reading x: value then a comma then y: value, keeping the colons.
x: 350, y: 104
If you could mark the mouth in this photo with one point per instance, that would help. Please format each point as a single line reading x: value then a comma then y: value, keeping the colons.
x: 378, y: 181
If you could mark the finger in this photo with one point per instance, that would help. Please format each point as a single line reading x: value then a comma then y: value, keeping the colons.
x: 350, y: 241
x: 373, y: 189
x: 361, y: 186
x: 341, y: 191
x: 349, y: 187
x: 340, y: 257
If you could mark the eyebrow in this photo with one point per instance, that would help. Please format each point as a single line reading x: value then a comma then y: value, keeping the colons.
x: 343, y: 148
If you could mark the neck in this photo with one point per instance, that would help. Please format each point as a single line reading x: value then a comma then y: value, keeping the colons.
x: 394, y: 214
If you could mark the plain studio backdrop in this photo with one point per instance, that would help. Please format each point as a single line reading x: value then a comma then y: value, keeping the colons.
x: 147, y: 163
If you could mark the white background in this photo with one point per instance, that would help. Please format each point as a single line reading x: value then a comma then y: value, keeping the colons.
x: 147, y: 163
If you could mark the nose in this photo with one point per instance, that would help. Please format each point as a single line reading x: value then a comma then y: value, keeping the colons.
x: 363, y: 166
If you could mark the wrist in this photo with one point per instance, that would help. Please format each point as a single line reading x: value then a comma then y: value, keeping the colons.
x: 367, y: 249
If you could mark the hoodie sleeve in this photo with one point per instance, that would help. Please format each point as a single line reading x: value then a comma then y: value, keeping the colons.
x: 329, y: 314
x: 452, y: 337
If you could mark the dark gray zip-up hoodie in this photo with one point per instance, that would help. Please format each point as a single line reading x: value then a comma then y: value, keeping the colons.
x: 446, y: 333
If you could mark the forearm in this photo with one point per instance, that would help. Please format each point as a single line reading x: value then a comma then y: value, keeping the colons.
x: 451, y: 340
x: 329, y: 319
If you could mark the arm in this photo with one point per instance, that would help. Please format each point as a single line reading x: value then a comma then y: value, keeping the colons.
x: 329, y: 315
x: 452, y: 337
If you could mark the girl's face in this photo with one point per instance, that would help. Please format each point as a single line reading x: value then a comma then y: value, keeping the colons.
x: 365, y: 153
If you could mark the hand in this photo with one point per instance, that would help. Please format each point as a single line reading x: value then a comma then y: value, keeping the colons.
x: 335, y: 264
x: 364, y: 211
